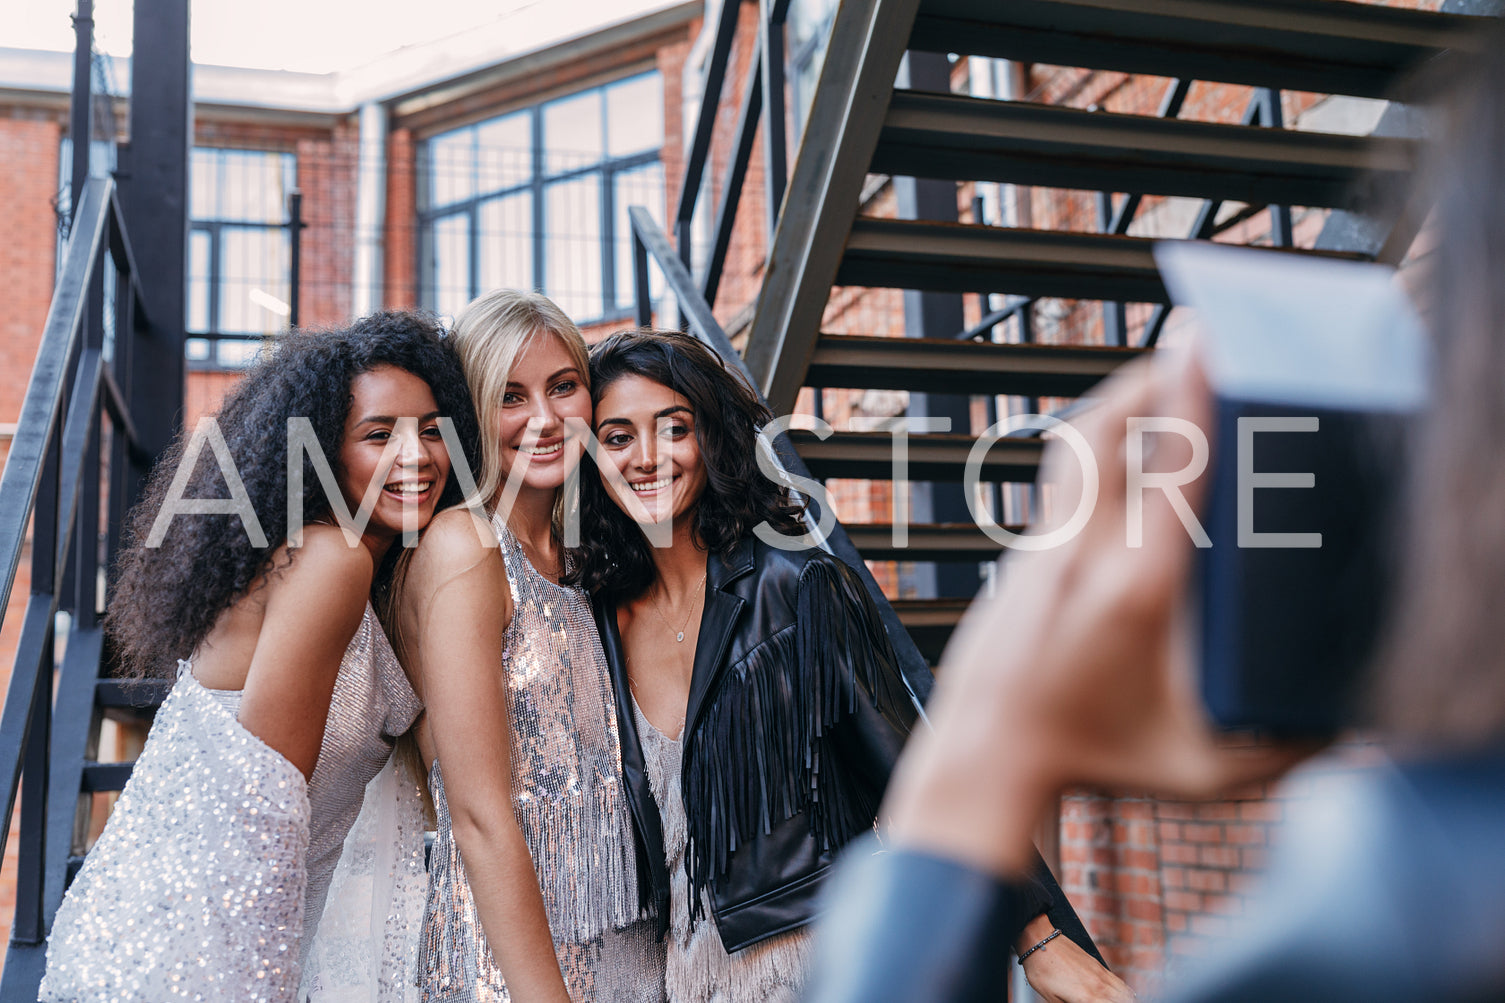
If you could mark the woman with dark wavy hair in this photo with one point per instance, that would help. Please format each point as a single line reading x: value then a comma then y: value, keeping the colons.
x: 759, y: 700
x: 211, y: 875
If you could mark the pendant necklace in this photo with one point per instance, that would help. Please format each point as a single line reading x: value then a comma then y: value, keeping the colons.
x: 679, y: 635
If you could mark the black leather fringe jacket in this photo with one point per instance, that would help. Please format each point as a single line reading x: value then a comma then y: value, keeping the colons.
x: 797, y: 712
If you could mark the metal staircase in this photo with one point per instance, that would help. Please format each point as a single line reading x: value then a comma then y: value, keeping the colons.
x: 860, y: 124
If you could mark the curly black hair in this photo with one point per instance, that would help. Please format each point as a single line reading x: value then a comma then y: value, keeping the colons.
x: 614, y: 557
x: 167, y: 598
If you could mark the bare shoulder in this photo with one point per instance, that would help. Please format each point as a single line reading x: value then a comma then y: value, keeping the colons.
x: 456, y: 539
x: 325, y: 570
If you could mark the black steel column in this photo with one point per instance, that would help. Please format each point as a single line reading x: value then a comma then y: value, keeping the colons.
x: 935, y: 315
x: 154, y: 202
x: 295, y: 227
x: 81, y: 136
x: 81, y: 109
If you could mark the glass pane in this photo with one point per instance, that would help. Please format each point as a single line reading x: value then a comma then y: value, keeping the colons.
x: 808, y: 18
x: 451, y: 168
x: 642, y: 186
x: 505, y: 243
x: 451, y: 264
x: 635, y: 116
x: 572, y: 132
x: 253, y: 286
x: 504, y: 152
x: 198, y: 281
x: 809, y: 35
x: 203, y: 185
x: 237, y: 354
x: 196, y: 350
x: 252, y: 186
x: 572, y: 246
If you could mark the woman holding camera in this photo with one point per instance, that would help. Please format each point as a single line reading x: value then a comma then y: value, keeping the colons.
x: 1391, y: 890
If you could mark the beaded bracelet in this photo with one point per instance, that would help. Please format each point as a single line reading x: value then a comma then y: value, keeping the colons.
x: 1048, y: 938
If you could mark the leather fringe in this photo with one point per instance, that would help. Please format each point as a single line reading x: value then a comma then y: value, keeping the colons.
x: 762, y: 752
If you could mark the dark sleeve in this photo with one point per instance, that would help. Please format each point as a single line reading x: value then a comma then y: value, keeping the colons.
x: 867, y: 711
x: 904, y: 927
x: 839, y: 625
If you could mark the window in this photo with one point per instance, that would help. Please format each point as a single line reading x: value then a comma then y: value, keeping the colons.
x: 538, y: 199
x: 239, y: 252
x: 809, y: 34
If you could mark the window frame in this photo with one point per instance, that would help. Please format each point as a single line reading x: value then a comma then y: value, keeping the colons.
x: 215, y: 228
x: 537, y: 185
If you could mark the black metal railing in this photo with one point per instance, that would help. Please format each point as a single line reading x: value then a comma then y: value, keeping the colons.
x: 1263, y: 110
x: 648, y: 241
x: 54, y: 478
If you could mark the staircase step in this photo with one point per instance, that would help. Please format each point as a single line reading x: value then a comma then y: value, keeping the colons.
x: 937, y: 457
x: 930, y: 622
x: 963, y: 257
x: 934, y: 365
x: 960, y: 541
x: 951, y: 136
x: 1313, y: 45
x: 131, y: 697
x: 106, y: 776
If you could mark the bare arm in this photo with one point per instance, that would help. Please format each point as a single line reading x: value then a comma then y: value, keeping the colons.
x: 460, y: 606
x: 313, y: 607
x: 1079, y: 670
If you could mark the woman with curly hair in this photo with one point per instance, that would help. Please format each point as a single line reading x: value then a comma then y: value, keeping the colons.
x: 759, y: 699
x: 211, y: 874
x: 533, y: 890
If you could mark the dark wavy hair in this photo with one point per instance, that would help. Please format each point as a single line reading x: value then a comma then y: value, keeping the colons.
x: 168, y: 598
x: 614, y: 557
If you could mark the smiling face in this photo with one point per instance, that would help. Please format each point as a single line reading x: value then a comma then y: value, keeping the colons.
x: 392, y: 438
x: 647, y: 433
x: 544, y: 389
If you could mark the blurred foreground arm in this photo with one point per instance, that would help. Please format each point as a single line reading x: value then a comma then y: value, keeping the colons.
x: 1076, y: 672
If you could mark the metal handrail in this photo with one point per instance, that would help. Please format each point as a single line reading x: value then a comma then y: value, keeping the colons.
x: 52, y: 480
x: 648, y: 241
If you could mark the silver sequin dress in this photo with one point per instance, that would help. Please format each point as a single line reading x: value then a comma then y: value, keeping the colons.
x: 698, y: 968
x: 208, y: 878
x: 570, y: 805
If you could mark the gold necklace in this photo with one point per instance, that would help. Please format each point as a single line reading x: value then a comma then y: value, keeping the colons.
x: 679, y: 635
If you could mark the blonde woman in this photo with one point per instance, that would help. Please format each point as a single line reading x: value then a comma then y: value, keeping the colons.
x: 533, y: 890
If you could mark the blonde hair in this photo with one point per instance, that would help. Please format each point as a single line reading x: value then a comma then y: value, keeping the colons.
x: 491, y: 333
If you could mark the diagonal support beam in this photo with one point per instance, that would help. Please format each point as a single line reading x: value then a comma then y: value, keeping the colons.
x: 868, y: 39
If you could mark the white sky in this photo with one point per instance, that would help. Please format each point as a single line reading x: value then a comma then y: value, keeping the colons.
x: 314, y: 36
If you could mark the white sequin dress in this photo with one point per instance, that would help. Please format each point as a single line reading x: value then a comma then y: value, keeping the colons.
x: 569, y: 801
x: 215, y: 862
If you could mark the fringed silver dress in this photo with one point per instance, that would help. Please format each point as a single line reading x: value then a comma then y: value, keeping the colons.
x: 698, y: 968
x: 568, y: 797
x: 210, y: 876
